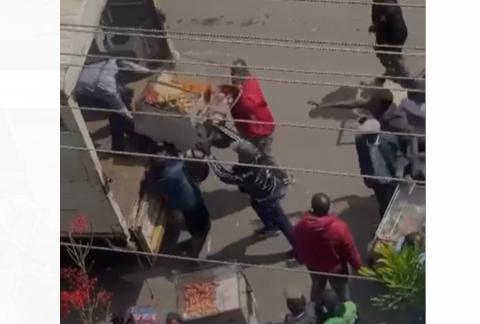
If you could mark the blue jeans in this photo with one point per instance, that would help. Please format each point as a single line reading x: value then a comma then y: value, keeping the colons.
x: 272, y: 216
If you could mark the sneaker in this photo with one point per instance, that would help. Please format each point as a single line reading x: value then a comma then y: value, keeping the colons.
x: 266, y: 232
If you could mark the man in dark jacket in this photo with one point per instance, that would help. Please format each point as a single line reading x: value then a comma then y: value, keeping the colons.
x: 323, y: 243
x: 390, y: 30
x: 266, y: 187
x: 390, y: 118
x: 167, y: 180
x: 380, y: 156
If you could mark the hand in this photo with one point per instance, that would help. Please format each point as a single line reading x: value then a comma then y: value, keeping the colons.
x: 362, y: 120
x: 408, y: 178
x: 204, y: 147
x: 371, y: 29
x: 315, y: 110
x: 230, y: 90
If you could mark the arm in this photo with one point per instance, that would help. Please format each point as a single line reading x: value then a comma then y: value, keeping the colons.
x: 132, y: 67
x: 408, y: 154
x: 349, y: 249
x: 346, y: 104
x: 226, y: 176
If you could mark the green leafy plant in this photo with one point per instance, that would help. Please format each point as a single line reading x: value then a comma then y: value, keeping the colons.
x: 402, y: 274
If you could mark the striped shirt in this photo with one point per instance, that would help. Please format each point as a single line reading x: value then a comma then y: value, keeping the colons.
x: 260, y: 183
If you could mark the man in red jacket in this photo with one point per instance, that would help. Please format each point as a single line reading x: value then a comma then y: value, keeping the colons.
x: 323, y: 243
x: 250, y: 105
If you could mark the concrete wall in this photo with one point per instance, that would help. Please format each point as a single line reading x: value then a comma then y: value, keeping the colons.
x: 82, y: 189
x: 82, y: 185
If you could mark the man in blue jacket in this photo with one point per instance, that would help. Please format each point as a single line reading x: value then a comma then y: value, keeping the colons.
x: 167, y: 179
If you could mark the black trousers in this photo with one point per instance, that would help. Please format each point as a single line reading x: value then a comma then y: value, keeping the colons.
x: 338, y: 284
x: 197, y: 221
x: 383, y: 194
x: 394, y: 64
x: 118, y: 124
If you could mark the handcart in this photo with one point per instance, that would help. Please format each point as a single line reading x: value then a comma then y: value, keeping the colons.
x: 405, y: 215
x: 174, y: 110
x: 216, y: 295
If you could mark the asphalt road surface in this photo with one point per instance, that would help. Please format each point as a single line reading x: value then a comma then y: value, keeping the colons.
x: 234, y: 220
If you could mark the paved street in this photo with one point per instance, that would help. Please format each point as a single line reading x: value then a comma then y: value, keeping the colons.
x: 294, y: 147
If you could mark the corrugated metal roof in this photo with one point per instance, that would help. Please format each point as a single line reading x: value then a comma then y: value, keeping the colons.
x: 84, y: 12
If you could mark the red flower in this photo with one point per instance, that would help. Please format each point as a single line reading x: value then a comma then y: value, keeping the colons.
x: 104, y: 297
x: 79, y: 224
x: 80, y: 293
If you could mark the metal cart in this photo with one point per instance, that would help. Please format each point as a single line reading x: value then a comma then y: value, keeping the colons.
x: 405, y: 214
x: 234, y: 301
x: 175, y: 99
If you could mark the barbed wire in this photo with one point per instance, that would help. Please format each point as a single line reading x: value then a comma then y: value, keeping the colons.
x: 236, y: 36
x: 213, y: 261
x: 289, y: 169
x: 287, y: 81
x: 252, y: 67
x: 281, y: 124
x: 244, y: 42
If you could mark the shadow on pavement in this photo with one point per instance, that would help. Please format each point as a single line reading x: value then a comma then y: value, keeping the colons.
x: 222, y: 202
x: 293, y: 217
x: 236, y: 252
x: 361, y: 216
x: 341, y: 94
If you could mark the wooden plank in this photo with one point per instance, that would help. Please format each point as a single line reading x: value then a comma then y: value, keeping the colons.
x: 150, y: 225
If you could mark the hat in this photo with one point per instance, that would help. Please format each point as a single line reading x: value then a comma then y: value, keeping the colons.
x: 370, y: 126
x: 292, y: 293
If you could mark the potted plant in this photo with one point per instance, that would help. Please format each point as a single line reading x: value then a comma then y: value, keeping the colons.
x: 403, y: 274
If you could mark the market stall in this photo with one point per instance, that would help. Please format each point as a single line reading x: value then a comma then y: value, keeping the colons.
x: 216, y: 295
x: 405, y: 215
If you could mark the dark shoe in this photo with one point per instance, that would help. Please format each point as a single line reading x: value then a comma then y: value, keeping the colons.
x: 267, y: 232
x: 291, y: 255
x: 379, y: 82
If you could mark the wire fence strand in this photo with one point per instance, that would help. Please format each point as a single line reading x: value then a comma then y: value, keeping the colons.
x: 252, y: 67
x: 354, y: 2
x: 287, y: 81
x: 213, y: 261
x: 243, y: 42
x: 237, y: 36
x: 288, y: 169
x: 281, y: 124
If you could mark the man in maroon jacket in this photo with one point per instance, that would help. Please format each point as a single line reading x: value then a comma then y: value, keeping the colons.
x: 323, y: 243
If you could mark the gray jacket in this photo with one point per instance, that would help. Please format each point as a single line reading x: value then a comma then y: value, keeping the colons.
x: 100, y: 81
